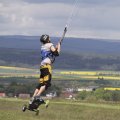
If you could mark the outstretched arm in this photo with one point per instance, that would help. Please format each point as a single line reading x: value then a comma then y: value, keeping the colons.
x: 58, y: 46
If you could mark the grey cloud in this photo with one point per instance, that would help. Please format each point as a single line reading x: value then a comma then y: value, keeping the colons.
x: 90, y: 2
x: 49, y: 1
x: 2, y: 19
x: 91, y: 18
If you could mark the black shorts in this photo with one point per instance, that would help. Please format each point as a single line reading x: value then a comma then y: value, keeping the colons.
x: 45, y: 76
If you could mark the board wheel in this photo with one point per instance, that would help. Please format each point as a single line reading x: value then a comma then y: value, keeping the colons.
x: 24, y: 108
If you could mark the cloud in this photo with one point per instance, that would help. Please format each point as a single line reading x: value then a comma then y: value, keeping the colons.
x: 87, y: 2
x: 91, y: 18
x: 24, y: 17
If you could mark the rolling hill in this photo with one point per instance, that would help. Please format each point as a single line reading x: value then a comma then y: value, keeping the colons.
x: 71, y: 45
x: 77, y: 53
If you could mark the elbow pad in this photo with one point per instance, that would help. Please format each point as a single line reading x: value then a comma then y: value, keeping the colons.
x: 55, y: 53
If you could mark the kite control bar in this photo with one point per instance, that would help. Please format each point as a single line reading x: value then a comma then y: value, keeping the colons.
x: 61, y: 39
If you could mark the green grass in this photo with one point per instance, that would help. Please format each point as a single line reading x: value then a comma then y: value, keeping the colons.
x: 59, y: 110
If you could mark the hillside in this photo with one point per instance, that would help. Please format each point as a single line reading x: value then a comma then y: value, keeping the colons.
x: 71, y: 45
x: 77, y: 53
x: 31, y: 58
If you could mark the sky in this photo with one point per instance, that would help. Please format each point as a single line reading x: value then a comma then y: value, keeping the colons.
x: 85, y: 18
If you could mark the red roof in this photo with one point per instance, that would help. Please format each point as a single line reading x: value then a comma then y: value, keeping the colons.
x: 2, y: 95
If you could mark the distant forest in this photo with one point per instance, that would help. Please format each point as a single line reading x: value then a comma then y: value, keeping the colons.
x: 82, y: 61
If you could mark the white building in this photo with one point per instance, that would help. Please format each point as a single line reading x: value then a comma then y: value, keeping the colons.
x: 90, y: 88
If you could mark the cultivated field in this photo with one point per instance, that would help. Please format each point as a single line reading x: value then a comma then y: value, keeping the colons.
x: 60, y: 74
x: 10, y: 109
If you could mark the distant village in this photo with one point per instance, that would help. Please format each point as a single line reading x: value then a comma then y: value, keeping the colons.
x: 67, y: 93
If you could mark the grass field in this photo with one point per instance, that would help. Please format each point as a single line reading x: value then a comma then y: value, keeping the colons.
x: 58, y: 110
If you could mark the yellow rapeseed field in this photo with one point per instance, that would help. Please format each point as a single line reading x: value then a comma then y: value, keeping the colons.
x: 13, y: 68
x: 112, y: 89
x: 7, y: 71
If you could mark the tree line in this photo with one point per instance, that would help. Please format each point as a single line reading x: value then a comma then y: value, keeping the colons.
x: 99, y: 94
x: 14, y: 89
